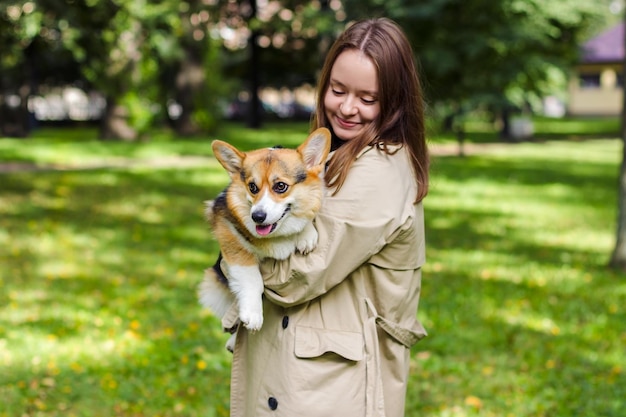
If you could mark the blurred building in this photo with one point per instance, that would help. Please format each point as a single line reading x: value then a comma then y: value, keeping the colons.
x: 597, y: 87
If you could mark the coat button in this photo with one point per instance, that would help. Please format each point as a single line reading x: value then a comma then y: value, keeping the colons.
x: 272, y: 403
x: 285, y: 321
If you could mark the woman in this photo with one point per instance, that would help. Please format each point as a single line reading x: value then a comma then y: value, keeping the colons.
x: 340, y: 321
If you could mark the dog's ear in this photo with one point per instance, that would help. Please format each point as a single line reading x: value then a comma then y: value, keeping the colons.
x: 316, y: 147
x: 230, y: 157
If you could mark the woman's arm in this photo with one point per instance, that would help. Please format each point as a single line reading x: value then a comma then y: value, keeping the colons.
x: 356, y: 223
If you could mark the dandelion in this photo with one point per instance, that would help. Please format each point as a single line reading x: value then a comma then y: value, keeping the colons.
x: 487, y: 370
x: 473, y: 401
x: 40, y: 404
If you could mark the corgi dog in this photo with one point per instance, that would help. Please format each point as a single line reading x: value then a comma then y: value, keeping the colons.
x: 266, y: 211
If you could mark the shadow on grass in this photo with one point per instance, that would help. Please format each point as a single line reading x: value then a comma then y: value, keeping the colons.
x: 99, y: 312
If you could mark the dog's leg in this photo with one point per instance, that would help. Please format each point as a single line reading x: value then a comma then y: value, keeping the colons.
x: 307, y: 239
x: 246, y: 283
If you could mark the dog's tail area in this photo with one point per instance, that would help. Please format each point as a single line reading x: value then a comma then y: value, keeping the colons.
x: 213, y: 291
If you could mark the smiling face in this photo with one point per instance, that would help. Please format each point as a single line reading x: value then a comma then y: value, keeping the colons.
x: 351, y: 100
x: 275, y: 191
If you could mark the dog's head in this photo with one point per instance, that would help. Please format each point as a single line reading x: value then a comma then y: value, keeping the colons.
x: 275, y: 191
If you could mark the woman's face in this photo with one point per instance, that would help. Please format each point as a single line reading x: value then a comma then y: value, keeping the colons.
x: 351, y: 100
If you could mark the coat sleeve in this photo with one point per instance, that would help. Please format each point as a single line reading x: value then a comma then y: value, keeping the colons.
x: 356, y: 223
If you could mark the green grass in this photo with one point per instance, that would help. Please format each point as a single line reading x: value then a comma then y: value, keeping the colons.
x: 71, y: 146
x: 480, y: 129
x: 98, y: 315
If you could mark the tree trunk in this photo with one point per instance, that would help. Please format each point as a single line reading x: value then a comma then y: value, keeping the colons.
x: 254, y: 111
x: 14, y: 118
x: 189, y: 81
x: 618, y: 258
x: 505, y: 130
x: 114, y: 124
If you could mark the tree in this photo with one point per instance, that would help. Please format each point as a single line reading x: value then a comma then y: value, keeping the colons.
x: 189, y: 64
x: 29, y: 56
x: 494, y: 54
x: 122, y: 49
x: 618, y: 258
x: 282, y: 47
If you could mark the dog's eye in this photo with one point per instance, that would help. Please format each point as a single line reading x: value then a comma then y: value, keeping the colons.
x: 280, y: 187
x: 253, y: 188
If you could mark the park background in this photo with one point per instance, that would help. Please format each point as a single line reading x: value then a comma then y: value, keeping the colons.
x: 107, y: 110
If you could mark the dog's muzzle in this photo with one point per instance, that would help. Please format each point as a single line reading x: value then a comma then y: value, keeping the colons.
x: 259, y: 216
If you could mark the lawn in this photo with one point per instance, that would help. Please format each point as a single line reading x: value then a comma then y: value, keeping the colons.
x: 98, y: 314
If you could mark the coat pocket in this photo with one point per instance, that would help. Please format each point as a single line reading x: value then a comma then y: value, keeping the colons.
x: 329, y: 375
x: 312, y: 342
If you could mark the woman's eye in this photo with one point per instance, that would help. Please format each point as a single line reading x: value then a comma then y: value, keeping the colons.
x: 368, y: 100
x: 253, y: 188
x: 280, y: 187
x: 337, y: 92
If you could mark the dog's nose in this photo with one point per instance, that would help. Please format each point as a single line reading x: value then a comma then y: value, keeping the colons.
x: 259, y: 216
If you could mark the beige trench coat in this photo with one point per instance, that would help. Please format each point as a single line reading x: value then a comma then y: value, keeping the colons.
x: 339, y: 322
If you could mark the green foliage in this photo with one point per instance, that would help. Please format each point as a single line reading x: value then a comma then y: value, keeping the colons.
x: 141, y: 113
x: 207, y: 113
x: 488, y: 53
x: 98, y: 313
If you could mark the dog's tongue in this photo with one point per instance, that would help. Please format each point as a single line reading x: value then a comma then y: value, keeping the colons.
x: 264, y: 230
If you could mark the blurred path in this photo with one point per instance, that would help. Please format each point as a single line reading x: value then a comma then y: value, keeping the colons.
x: 451, y: 149
x: 118, y: 163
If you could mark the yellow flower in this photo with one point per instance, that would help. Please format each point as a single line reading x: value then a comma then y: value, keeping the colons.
x: 473, y: 401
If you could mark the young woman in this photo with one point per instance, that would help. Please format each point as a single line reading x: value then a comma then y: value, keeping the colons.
x: 340, y: 321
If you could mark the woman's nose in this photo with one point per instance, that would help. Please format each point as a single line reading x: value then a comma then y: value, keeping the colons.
x: 347, y: 106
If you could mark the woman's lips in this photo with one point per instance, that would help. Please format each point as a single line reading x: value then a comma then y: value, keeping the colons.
x: 345, y: 123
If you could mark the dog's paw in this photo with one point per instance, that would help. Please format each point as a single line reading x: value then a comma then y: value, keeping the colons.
x: 307, y: 240
x: 230, y: 343
x: 253, y: 320
x: 305, y: 246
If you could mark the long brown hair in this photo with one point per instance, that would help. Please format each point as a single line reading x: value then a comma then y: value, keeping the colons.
x: 401, y: 118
